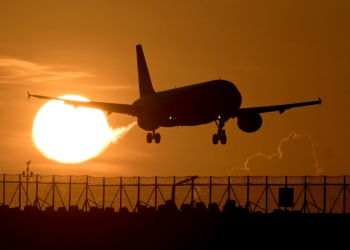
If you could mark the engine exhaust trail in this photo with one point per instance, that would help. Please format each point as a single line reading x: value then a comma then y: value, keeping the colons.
x: 118, y: 133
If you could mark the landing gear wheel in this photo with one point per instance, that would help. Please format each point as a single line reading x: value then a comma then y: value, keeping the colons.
x: 221, y: 135
x: 215, y: 139
x: 149, y: 137
x: 223, y: 139
x: 157, y: 138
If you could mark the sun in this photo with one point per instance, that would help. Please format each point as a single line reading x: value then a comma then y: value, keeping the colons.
x: 71, y: 135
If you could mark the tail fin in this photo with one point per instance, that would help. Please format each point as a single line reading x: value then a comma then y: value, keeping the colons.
x: 145, y: 83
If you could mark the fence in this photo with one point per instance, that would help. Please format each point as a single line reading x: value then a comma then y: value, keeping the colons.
x: 308, y: 194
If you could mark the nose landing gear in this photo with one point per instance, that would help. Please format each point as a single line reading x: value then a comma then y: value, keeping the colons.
x: 153, y: 135
x: 221, y: 135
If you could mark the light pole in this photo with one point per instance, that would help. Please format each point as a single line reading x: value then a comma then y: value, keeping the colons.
x: 27, y: 176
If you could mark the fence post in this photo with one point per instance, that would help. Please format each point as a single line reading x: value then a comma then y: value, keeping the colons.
x: 103, y: 193
x: 228, y: 187
x: 192, y: 189
x: 86, y: 193
x: 69, y: 191
x: 53, y: 192
x: 3, y: 190
x: 138, y: 189
x: 324, y: 194
x: 27, y: 193
x: 248, y: 202
x: 285, y: 185
x: 305, y: 193
x: 344, y: 199
x: 138, y: 193
x: 210, y: 190
x: 121, y: 192
x: 173, y: 190
x: 155, y: 193
x: 19, y: 191
x: 36, y: 189
x: 267, y: 193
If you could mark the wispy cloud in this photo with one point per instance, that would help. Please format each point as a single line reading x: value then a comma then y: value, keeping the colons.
x: 15, y: 71
x: 298, y: 159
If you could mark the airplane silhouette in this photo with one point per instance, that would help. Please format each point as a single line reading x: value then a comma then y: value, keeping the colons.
x: 213, y: 101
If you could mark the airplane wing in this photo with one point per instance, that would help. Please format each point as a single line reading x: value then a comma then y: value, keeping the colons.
x: 280, y: 108
x: 105, y: 106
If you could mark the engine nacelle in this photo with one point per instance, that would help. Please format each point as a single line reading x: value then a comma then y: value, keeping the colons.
x: 249, y: 123
x: 149, y: 121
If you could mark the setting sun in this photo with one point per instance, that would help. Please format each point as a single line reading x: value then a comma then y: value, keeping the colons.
x: 70, y: 134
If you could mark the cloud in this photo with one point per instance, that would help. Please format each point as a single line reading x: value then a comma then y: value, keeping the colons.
x: 15, y: 71
x: 295, y: 156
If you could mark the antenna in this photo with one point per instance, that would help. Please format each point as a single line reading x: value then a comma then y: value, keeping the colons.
x: 27, y: 176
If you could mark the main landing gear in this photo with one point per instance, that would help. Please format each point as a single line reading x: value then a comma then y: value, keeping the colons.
x: 151, y: 136
x: 221, y: 135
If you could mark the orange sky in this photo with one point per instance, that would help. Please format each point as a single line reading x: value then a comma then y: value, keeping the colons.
x: 276, y: 52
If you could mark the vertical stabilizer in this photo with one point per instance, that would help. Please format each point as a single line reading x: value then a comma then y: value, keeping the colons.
x: 145, y: 83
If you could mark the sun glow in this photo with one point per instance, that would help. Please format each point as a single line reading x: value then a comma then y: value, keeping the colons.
x: 72, y: 135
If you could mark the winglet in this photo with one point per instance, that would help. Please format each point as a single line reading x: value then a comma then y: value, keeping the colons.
x: 29, y: 95
x: 320, y: 101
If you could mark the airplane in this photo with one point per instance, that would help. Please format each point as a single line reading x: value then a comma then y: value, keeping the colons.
x: 202, y: 103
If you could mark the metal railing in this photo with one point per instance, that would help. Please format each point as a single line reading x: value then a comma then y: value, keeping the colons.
x: 310, y: 194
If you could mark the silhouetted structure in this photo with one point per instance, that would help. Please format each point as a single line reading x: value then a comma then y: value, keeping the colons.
x: 308, y: 194
x: 166, y: 228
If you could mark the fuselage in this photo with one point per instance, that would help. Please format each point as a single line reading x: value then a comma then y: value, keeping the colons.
x: 191, y: 105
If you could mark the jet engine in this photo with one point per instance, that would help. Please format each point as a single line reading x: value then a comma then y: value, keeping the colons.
x: 149, y: 121
x: 249, y: 123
